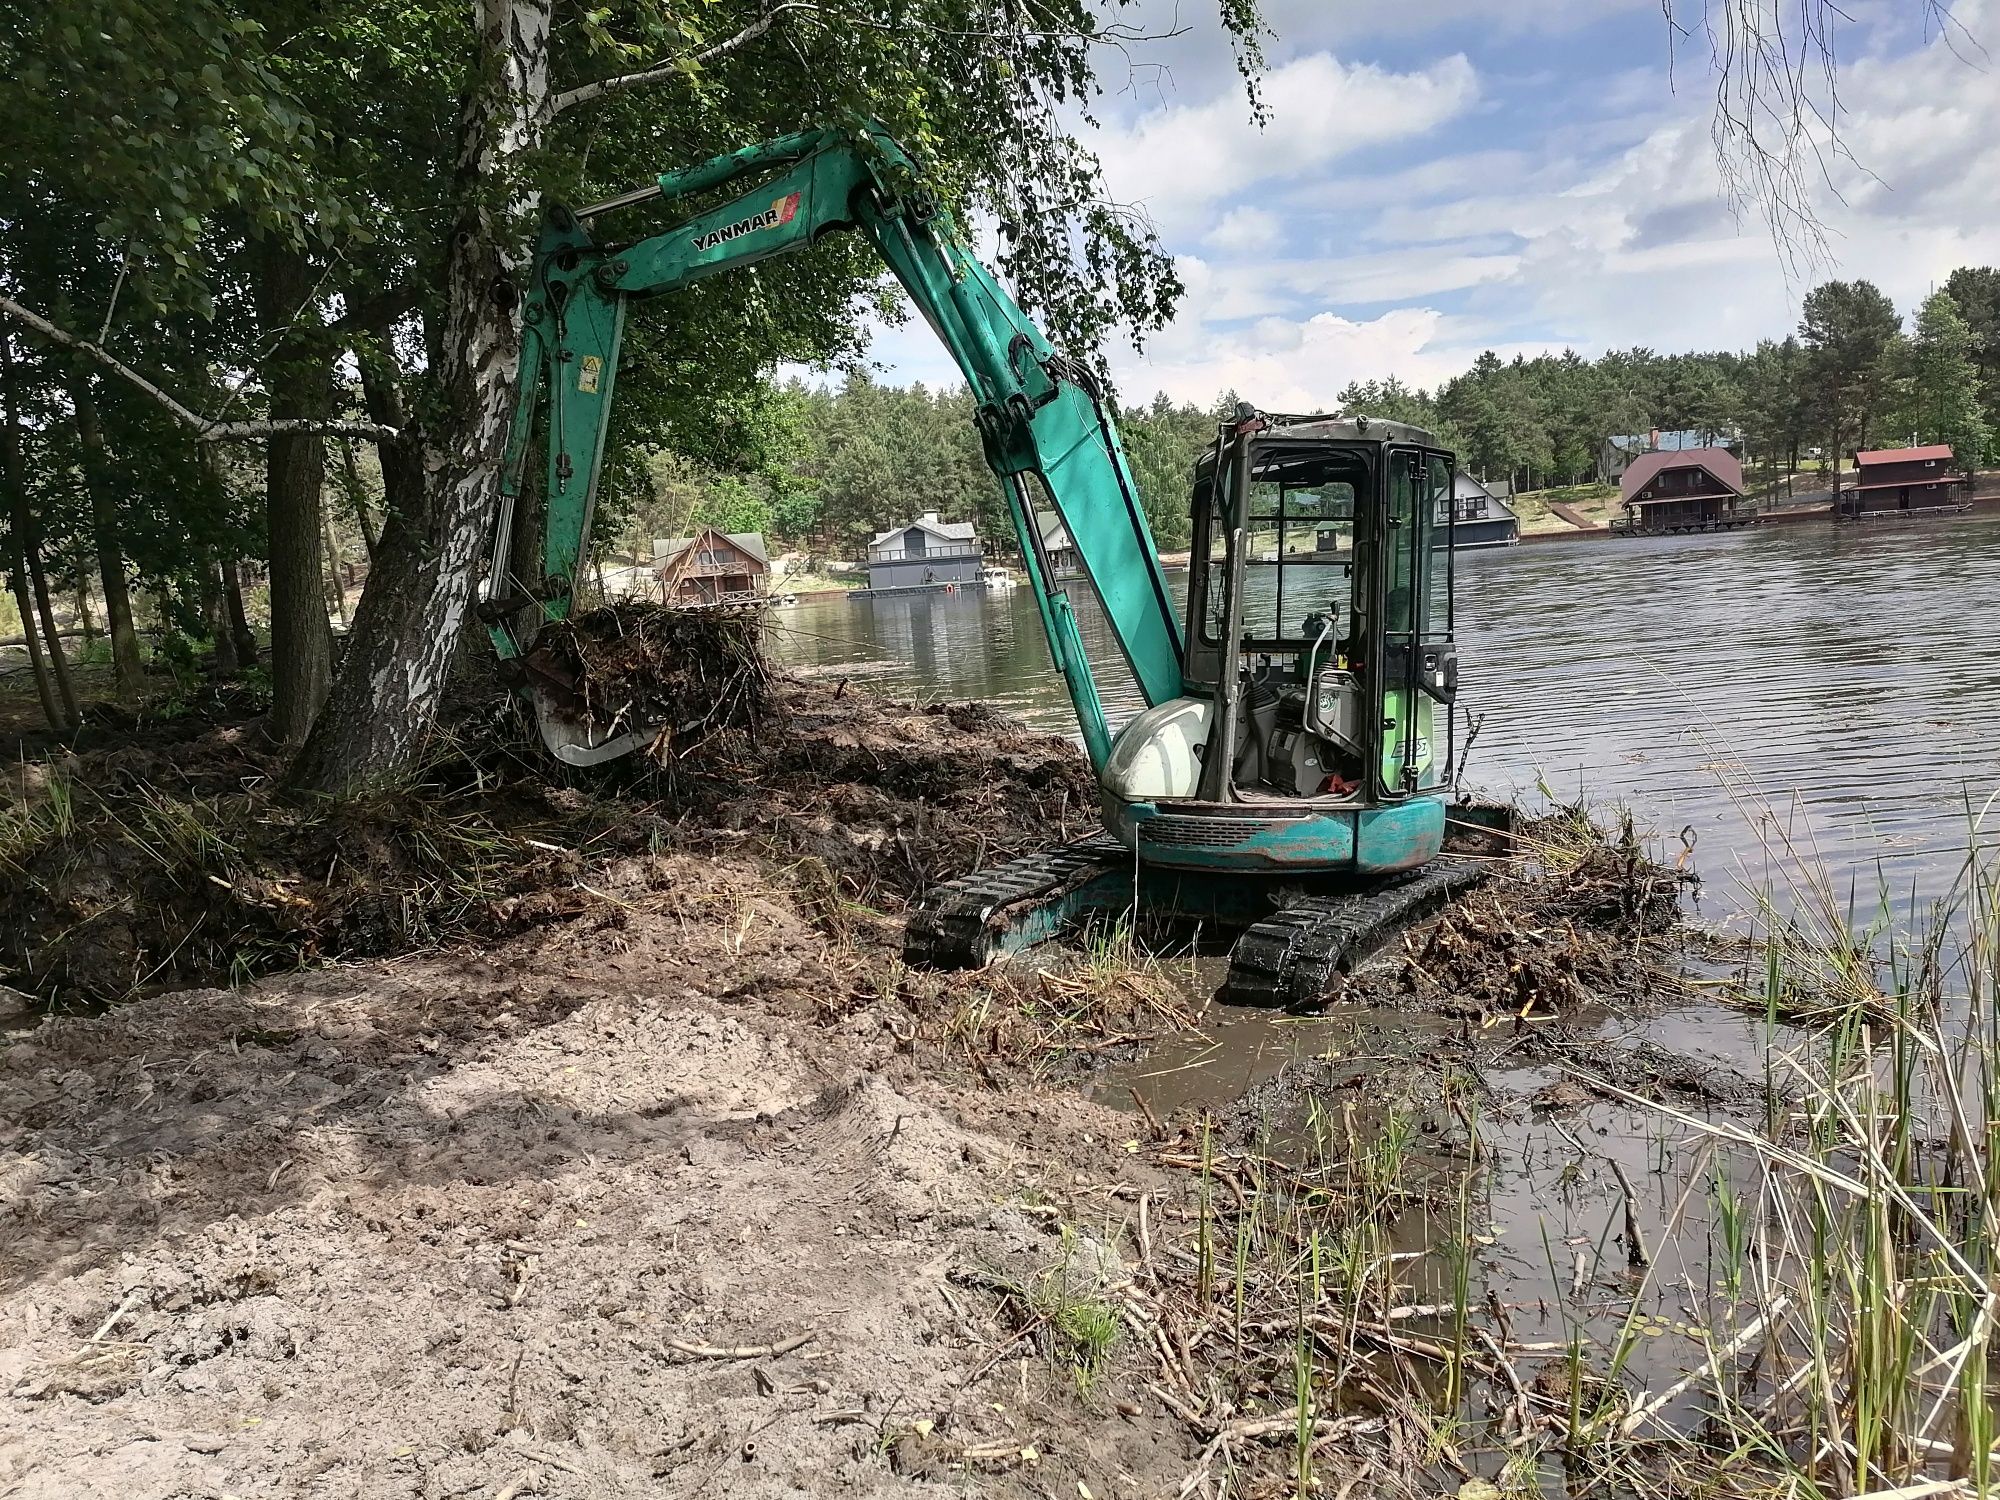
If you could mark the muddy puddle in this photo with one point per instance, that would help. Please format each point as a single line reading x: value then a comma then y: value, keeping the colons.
x: 1559, y: 1194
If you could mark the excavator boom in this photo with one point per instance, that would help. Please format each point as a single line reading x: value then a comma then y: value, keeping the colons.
x: 1043, y: 422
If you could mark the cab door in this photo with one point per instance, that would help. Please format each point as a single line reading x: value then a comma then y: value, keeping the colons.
x: 1419, y: 678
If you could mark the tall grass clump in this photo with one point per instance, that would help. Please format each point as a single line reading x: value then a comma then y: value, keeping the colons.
x: 1858, y: 1266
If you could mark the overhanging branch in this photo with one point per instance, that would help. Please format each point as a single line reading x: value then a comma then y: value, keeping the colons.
x: 205, y: 430
x: 589, y: 92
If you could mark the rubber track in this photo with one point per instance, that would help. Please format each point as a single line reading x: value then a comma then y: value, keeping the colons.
x: 1290, y: 959
x: 954, y: 924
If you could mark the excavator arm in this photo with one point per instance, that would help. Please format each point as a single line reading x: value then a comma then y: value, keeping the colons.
x: 1043, y: 423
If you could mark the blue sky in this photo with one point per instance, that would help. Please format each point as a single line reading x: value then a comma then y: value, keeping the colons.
x: 1443, y: 176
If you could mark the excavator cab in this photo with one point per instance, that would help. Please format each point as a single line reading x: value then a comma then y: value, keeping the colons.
x: 1314, y: 734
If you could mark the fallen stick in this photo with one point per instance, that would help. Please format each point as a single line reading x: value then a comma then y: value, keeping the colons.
x: 1152, y: 1120
x: 1000, y: 1351
x: 1187, y: 1415
x: 554, y: 1461
x: 740, y: 1351
x: 1635, y: 1239
x: 1523, y: 1417
x: 1756, y: 1326
x: 117, y: 1314
x: 1288, y: 1423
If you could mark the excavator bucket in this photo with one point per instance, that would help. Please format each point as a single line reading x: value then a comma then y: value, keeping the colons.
x: 578, y: 743
x: 567, y: 728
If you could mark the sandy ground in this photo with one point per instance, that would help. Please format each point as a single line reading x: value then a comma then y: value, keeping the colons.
x: 684, y: 1187
x: 478, y: 1225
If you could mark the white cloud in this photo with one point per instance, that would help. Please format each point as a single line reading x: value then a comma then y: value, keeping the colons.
x: 1244, y: 229
x: 1287, y: 365
x: 1414, y: 17
x: 1180, y: 160
x: 1587, y: 226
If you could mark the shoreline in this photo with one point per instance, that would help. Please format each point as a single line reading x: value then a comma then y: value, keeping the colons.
x: 664, y: 1175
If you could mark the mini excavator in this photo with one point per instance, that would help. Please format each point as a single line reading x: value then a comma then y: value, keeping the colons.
x: 1287, y: 778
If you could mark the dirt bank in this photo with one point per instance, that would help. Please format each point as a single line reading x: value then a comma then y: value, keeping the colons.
x: 450, y: 1225
x: 646, y: 1169
x: 168, y: 857
x: 492, y: 1219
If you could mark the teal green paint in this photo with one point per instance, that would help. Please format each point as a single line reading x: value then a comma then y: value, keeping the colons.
x: 1037, y: 414
x: 1398, y: 837
x: 569, y: 370
x: 1366, y: 841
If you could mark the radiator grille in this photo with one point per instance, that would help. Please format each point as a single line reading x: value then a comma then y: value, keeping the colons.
x: 1207, y: 833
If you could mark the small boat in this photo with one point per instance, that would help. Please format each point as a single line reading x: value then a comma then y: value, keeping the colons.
x: 997, y: 578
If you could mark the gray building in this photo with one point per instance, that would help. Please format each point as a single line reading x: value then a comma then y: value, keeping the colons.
x: 923, y: 552
x: 1056, y: 542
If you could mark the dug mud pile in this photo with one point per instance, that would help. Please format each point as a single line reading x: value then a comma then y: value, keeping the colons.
x: 174, y: 860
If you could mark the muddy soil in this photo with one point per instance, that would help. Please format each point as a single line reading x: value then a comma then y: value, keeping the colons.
x: 502, y: 1219
x: 649, y: 1173
x: 500, y: 1224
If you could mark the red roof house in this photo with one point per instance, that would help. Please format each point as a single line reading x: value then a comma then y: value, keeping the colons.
x: 1889, y: 481
x: 1693, y: 489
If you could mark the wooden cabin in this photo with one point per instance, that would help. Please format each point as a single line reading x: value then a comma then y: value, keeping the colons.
x: 1897, y: 481
x: 1695, y: 489
x: 713, y: 568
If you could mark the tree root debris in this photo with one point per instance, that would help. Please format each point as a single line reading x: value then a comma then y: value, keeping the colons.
x: 178, y: 863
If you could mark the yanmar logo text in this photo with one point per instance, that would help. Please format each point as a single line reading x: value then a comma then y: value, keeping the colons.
x: 782, y: 211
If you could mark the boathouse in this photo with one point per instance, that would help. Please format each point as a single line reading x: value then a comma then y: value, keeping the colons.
x: 1896, y: 481
x: 1695, y: 489
x: 922, y: 553
x: 713, y: 568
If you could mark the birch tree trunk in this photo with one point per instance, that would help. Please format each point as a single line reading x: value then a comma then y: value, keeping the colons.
x: 31, y: 589
x: 399, y: 651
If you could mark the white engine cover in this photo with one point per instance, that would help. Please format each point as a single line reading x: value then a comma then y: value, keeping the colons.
x: 1155, y: 756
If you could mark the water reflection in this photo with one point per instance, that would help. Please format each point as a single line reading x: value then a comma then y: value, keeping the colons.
x: 1831, y: 686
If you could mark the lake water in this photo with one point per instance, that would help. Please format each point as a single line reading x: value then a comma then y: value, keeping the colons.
x: 1789, y: 693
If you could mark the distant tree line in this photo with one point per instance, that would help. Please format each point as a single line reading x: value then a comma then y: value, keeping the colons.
x: 836, y: 465
x: 1850, y: 378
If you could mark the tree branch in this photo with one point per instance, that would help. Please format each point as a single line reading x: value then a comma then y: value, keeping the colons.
x: 590, y: 92
x: 205, y: 430
x: 373, y: 311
